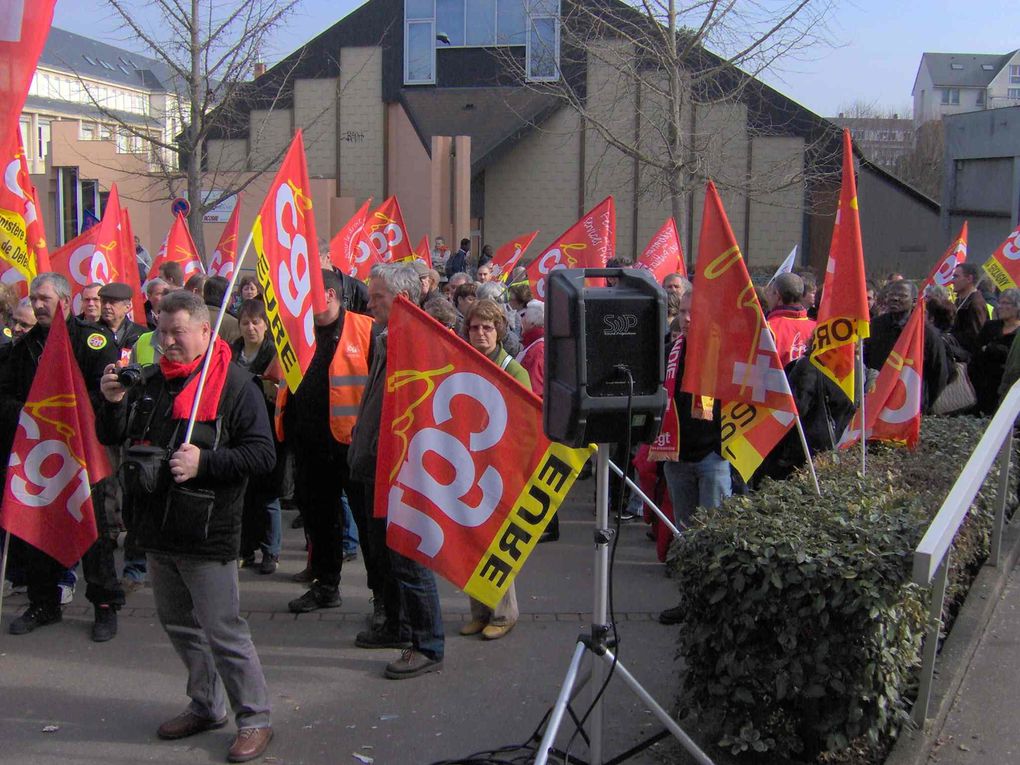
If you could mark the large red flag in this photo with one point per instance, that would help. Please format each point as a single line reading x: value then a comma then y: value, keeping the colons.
x: 23, y: 252
x: 507, y: 256
x: 731, y: 354
x: 843, y: 317
x: 178, y: 247
x: 589, y: 243
x: 224, y: 257
x: 129, y: 264
x: 893, y: 410
x: 942, y: 274
x: 343, y: 249
x: 288, y: 264
x: 466, y: 487
x: 1004, y: 265
x: 384, y: 237
x: 24, y: 26
x: 55, y: 458
x: 664, y: 255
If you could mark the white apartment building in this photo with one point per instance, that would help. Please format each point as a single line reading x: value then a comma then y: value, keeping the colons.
x: 953, y: 83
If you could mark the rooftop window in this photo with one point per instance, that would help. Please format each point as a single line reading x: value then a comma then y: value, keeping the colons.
x: 988, y: 67
x: 89, y: 59
x: 956, y: 66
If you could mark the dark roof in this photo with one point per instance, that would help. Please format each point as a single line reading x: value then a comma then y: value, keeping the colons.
x: 971, y: 75
x: 491, y: 116
x: 90, y: 58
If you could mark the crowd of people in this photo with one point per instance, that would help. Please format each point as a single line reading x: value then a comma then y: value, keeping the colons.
x: 196, y: 509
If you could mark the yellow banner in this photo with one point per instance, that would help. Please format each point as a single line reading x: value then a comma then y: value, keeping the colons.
x: 13, y: 244
x: 288, y: 358
x: 538, y: 501
x: 832, y: 351
x: 998, y: 274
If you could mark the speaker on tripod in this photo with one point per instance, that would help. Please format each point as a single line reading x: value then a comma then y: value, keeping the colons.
x: 603, y: 356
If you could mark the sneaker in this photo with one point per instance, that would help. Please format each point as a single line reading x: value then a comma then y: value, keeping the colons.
x: 380, y: 639
x: 316, y: 598
x: 673, y: 615
x: 105, y: 626
x: 269, y: 563
x: 66, y: 593
x: 35, y: 616
x: 304, y: 576
x: 626, y: 516
x: 411, y: 664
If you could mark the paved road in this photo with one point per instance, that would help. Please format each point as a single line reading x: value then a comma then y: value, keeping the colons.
x: 981, y: 726
x: 330, y: 698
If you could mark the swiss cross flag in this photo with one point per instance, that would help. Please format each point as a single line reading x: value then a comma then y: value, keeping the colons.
x: 224, y: 257
x: 589, y: 243
x: 178, y: 247
x: 343, y: 249
x: 55, y: 458
x: 664, y: 255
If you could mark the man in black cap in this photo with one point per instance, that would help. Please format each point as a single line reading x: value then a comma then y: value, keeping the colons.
x: 115, y: 303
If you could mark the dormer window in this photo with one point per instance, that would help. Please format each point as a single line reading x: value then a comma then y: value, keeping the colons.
x: 958, y: 67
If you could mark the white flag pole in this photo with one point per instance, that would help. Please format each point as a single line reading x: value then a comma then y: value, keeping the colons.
x: 215, y: 334
x: 807, y: 455
x: 859, y: 370
x: 3, y: 569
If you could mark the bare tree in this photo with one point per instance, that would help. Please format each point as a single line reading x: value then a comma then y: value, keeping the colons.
x: 924, y: 166
x: 210, y: 49
x: 639, y: 73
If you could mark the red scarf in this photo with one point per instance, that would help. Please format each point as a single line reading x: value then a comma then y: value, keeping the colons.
x: 217, y: 377
x: 666, y: 447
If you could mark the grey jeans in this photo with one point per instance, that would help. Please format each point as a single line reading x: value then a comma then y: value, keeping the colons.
x: 199, y: 607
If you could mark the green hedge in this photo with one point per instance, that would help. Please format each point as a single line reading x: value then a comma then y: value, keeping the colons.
x: 802, y: 631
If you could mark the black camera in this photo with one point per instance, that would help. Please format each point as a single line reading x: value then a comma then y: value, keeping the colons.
x: 131, y: 375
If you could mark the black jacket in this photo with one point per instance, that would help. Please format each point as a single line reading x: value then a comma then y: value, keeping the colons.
x: 129, y: 334
x: 456, y: 263
x: 167, y: 520
x: 698, y: 437
x: 355, y: 293
x: 18, y: 370
x: 364, y: 448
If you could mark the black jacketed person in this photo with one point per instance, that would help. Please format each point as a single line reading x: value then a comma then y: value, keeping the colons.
x: 188, y: 500
x: 93, y: 347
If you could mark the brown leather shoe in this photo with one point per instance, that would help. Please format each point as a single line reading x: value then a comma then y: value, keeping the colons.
x: 188, y: 724
x: 249, y: 744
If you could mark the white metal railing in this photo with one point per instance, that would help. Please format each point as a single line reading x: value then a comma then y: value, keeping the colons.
x: 931, y: 558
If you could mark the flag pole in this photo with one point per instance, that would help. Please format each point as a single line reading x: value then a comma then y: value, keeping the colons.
x: 215, y: 334
x: 859, y: 363
x: 3, y: 569
x: 807, y: 455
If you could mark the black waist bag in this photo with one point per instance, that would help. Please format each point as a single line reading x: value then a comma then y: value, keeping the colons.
x: 145, y: 470
x: 187, y: 515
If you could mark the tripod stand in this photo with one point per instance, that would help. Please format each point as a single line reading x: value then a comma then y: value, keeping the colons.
x: 598, y: 645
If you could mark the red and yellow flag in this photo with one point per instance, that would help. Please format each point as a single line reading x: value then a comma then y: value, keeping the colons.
x: 424, y: 251
x: 843, y: 317
x: 942, y: 274
x: 224, y: 257
x: 23, y: 252
x: 731, y: 354
x: 55, y: 458
x: 343, y: 249
x: 384, y: 237
x: 129, y: 267
x: 288, y: 264
x: 1004, y: 265
x: 466, y: 478
x: 507, y: 256
x: 589, y: 243
x: 664, y: 255
x: 178, y: 247
x: 893, y: 412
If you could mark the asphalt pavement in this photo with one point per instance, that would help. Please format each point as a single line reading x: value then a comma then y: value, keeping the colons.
x: 65, y: 700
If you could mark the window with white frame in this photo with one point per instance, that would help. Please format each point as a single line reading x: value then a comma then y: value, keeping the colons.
x: 1013, y: 94
x: 477, y: 24
x: 1014, y: 73
x: 43, y: 139
x: 951, y: 96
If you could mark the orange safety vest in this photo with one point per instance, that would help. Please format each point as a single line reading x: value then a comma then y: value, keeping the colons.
x: 348, y: 375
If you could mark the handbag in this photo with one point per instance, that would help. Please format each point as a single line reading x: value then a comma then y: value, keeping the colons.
x: 958, y: 395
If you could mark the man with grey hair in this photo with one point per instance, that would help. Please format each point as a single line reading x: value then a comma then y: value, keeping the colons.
x: 406, y: 589
x: 676, y: 283
x: 455, y: 281
x: 789, y: 320
x: 155, y: 290
x: 93, y: 348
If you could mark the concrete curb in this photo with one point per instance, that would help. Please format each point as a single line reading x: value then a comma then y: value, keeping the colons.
x: 913, y: 747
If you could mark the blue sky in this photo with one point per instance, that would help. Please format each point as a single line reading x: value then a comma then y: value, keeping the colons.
x: 876, y: 44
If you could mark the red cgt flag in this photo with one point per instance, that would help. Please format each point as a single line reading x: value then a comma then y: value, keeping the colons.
x: 343, y: 249
x: 507, y: 256
x: 893, y: 411
x: 384, y: 237
x: 23, y: 253
x: 24, y: 26
x: 55, y: 459
x: 731, y: 354
x: 224, y: 257
x: 288, y: 264
x: 843, y: 317
x: 1004, y: 265
x: 466, y: 487
x: 129, y: 265
x: 424, y: 251
x: 942, y: 274
x: 178, y: 247
x: 589, y: 243
x: 664, y: 255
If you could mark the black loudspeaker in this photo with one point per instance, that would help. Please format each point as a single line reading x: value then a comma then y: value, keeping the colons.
x: 597, y: 340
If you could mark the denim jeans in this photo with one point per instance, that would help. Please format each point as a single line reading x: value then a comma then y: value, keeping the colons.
x: 697, y: 484
x: 350, y: 527
x: 419, y: 603
x: 274, y: 529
